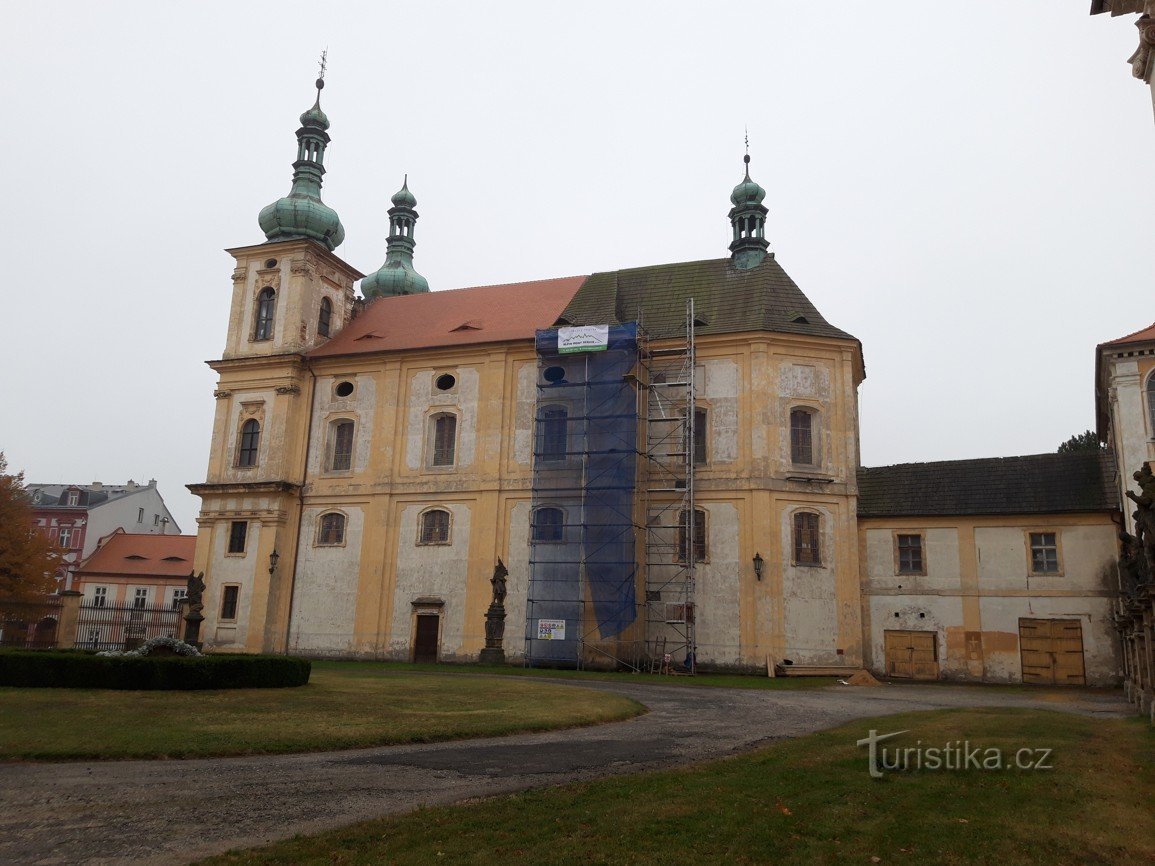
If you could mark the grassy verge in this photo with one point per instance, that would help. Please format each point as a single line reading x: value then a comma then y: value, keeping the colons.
x: 725, y: 681
x: 341, y: 708
x: 806, y: 801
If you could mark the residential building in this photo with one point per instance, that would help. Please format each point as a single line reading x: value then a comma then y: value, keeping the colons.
x: 77, y: 516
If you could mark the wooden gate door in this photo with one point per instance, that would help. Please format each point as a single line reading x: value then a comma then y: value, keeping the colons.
x: 425, y: 641
x: 1052, y: 651
x: 911, y: 654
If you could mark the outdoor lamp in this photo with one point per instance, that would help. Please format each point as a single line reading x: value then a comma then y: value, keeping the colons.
x: 758, y: 560
x: 273, y: 557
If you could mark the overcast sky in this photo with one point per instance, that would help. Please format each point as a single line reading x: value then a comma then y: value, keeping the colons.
x: 965, y: 188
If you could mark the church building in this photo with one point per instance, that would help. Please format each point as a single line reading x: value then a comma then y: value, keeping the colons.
x: 662, y: 460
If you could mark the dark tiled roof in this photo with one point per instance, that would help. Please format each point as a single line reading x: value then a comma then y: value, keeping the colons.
x: 726, y: 300
x: 1036, y: 484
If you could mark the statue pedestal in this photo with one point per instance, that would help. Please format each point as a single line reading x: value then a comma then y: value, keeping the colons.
x: 491, y: 656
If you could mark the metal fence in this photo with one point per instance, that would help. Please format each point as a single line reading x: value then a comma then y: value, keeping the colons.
x: 123, y: 627
x: 30, y: 624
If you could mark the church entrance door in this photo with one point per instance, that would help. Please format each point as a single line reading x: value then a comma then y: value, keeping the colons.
x: 425, y: 640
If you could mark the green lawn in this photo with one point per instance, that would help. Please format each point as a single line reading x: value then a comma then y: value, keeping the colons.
x: 342, y: 707
x: 806, y: 801
x: 726, y: 681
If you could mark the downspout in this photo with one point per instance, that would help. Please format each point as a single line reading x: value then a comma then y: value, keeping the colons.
x: 301, y: 503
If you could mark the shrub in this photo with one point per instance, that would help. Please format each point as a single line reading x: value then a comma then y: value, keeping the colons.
x: 33, y: 669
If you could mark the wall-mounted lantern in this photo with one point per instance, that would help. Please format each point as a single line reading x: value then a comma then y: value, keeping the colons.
x: 758, y: 561
x: 273, y: 558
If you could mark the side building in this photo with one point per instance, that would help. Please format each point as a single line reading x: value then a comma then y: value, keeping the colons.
x: 1000, y: 570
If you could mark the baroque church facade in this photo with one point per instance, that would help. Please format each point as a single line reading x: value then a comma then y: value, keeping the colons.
x: 374, y: 458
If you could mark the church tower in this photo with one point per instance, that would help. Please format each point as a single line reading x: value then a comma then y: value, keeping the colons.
x: 396, y: 276
x: 290, y: 294
x: 748, y: 218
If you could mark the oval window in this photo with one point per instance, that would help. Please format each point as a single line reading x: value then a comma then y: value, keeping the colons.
x: 553, y: 374
x: 445, y: 382
x: 343, y: 389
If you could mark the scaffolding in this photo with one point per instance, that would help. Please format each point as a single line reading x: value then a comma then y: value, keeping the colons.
x: 582, y: 598
x: 613, y: 514
x: 672, y: 444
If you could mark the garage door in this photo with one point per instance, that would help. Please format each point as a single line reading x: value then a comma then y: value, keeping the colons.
x: 1052, y: 651
x: 911, y: 655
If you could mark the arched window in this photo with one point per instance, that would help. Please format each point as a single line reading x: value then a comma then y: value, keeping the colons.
x: 552, y: 433
x: 250, y: 443
x: 331, y: 529
x: 325, y: 317
x: 266, y: 307
x: 548, y: 524
x: 802, y: 437
x: 444, y: 449
x: 692, y: 537
x: 807, y: 549
x: 1151, y: 403
x: 434, y: 527
x: 340, y: 445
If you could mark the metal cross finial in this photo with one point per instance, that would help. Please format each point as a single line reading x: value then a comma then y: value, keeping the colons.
x: 324, y: 60
x: 747, y: 140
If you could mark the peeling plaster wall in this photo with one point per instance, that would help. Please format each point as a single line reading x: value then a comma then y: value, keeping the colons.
x: 325, y: 596
x: 425, y: 400
x: 806, y: 385
x: 718, y: 383
x: 940, y: 555
x: 717, y: 625
x: 517, y: 585
x: 917, y: 613
x: 810, y: 606
x: 525, y: 413
x: 231, y: 568
x: 432, y: 571
x: 360, y: 406
x: 1001, y: 651
x: 1004, y: 557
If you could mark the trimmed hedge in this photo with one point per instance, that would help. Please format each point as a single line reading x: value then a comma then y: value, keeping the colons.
x: 73, y: 670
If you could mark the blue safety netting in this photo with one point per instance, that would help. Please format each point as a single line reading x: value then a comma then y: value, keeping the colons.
x: 584, y: 472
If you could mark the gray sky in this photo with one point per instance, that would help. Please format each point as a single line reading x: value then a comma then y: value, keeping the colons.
x: 965, y: 188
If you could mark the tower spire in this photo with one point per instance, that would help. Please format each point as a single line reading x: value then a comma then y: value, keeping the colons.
x: 302, y: 214
x: 748, y: 219
x: 397, y: 276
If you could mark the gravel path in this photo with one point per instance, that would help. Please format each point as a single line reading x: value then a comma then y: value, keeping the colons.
x: 169, y: 812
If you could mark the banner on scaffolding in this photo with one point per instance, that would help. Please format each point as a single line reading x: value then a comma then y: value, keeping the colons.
x: 587, y: 338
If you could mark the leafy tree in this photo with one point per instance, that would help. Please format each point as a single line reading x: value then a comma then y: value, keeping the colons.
x: 1081, y: 443
x: 27, y: 557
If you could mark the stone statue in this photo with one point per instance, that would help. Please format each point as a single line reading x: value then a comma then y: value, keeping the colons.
x: 1145, y: 514
x: 493, y: 654
x: 194, y: 617
x: 1133, y: 568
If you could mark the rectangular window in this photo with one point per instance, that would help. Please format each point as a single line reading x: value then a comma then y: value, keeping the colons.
x: 73, y: 497
x: 99, y: 596
x: 140, y: 515
x: 92, y: 638
x: 238, y: 532
x: 229, y: 602
x: 1044, y: 553
x: 140, y: 597
x: 699, y: 437
x: 910, y: 559
x: 156, y: 520
x: 178, y: 595
x: 66, y: 538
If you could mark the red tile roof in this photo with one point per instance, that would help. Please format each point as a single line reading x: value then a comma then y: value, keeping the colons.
x: 154, y: 555
x: 457, y: 317
x: 1143, y: 336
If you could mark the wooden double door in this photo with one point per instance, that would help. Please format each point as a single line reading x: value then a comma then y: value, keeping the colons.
x: 1052, y: 651
x: 911, y: 655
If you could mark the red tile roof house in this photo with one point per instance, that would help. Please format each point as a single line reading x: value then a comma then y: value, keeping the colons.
x: 132, y: 586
